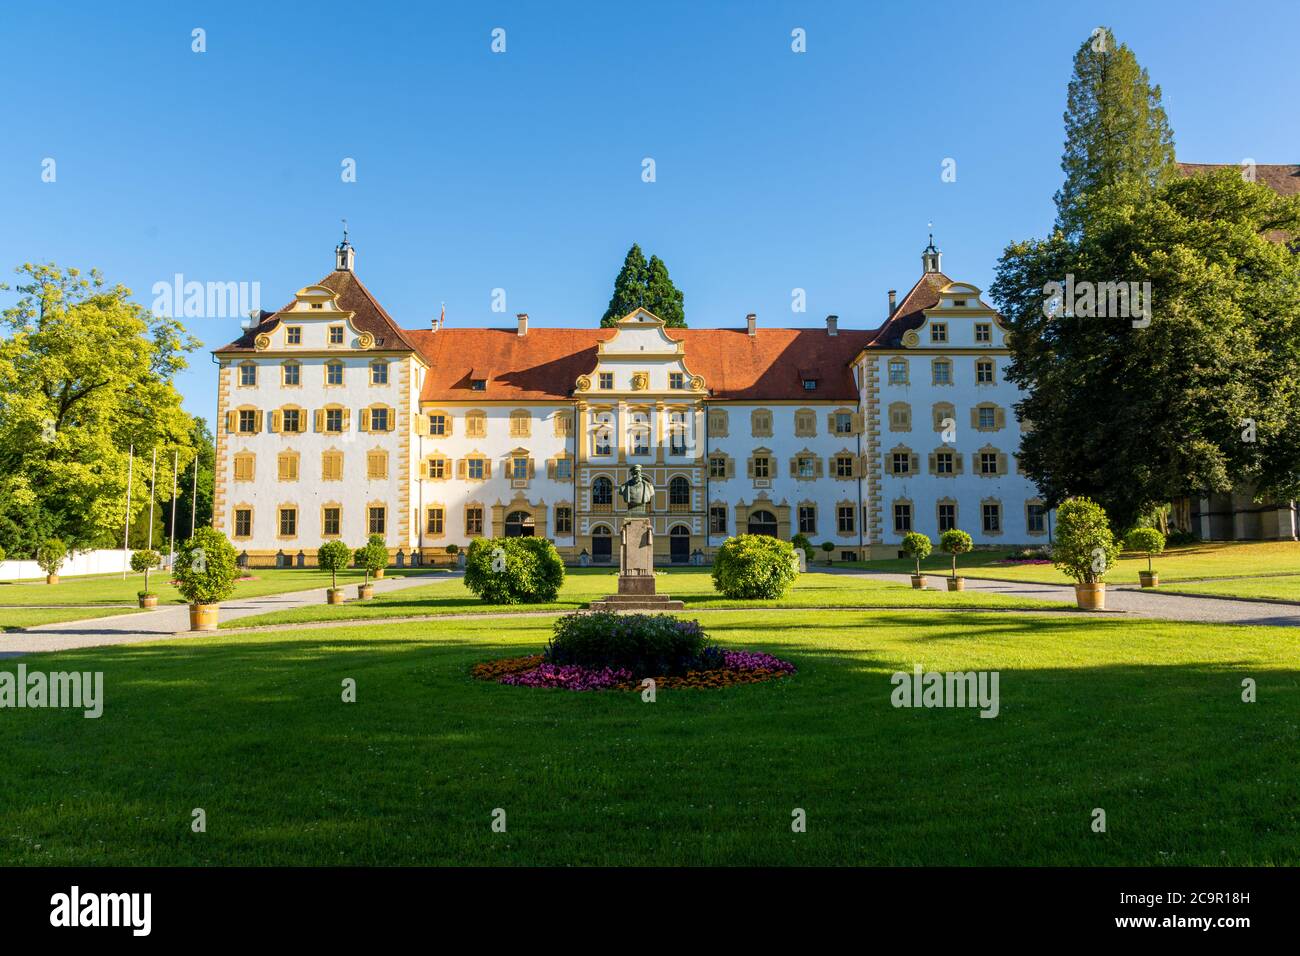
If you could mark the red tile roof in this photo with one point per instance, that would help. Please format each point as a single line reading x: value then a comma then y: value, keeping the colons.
x: 909, y: 314
x: 540, y: 366
x: 353, y: 296
x: 544, y: 364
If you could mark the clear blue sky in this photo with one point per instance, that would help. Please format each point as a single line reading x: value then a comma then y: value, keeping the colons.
x: 522, y: 170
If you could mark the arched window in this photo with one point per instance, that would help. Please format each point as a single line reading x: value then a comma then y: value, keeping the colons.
x: 679, y: 494
x: 762, y: 522
x: 602, y: 493
x: 519, y: 524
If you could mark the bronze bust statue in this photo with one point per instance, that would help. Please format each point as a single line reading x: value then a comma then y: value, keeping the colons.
x: 637, y: 492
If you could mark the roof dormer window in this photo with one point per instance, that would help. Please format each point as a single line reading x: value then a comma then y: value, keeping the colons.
x: 478, y: 384
x: 810, y: 385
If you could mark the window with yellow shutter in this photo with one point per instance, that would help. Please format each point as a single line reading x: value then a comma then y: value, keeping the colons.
x: 377, y: 464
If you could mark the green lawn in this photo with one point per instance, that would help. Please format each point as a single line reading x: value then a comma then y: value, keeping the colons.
x: 694, y: 586
x: 1280, y: 588
x: 1141, y: 718
x: 17, y: 618
x: 1221, y: 559
x: 95, y: 595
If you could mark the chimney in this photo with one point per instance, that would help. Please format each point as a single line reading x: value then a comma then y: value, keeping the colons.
x: 751, y: 324
x: 893, y: 300
x: 832, y: 325
x: 523, y: 323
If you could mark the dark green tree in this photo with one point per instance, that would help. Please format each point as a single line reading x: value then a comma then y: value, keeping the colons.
x: 642, y: 284
x: 629, y: 287
x: 1204, y: 394
x: 662, y: 297
x: 1116, y: 133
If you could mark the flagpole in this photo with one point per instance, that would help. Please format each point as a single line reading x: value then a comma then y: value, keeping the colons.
x: 153, y: 495
x: 194, y: 493
x: 176, y: 463
x: 126, y: 525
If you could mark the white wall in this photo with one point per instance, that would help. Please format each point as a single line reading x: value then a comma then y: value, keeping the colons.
x: 104, y: 561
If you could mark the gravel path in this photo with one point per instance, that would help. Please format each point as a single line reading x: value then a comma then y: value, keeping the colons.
x: 170, y: 621
x: 1128, y: 599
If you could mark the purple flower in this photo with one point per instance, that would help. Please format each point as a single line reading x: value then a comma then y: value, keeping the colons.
x: 569, y: 677
x: 755, y: 661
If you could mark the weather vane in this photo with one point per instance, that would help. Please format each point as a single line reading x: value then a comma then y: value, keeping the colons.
x: 345, y: 232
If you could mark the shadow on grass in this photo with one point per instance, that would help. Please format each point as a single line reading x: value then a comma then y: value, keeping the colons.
x: 253, y: 728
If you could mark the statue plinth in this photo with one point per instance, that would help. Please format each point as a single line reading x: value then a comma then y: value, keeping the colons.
x: 636, y: 572
x: 636, y: 557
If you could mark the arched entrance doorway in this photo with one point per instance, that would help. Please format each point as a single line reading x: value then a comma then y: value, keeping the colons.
x: 519, y: 524
x: 679, y: 544
x: 762, y: 522
x: 602, y: 544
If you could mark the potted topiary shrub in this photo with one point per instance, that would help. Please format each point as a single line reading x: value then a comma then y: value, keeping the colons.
x: 955, y: 542
x: 333, y: 556
x: 146, y: 561
x: 754, y: 567
x: 371, y: 558
x: 50, y: 557
x: 1151, y: 542
x: 205, y: 575
x: 1084, y: 549
x: 454, y: 550
x: 917, y: 547
x: 827, y: 548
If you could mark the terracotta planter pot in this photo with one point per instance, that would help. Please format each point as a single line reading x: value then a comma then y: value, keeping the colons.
x: 150, y: 601
x: 956, y: 584
x: 365, y: 591
x: 334, y: 595
x: 379, y: 575
x: 1091, y: 597
x: 203, y: 617
x: 1149, y: 579
x: 51, y: 579
x: 918, y: 581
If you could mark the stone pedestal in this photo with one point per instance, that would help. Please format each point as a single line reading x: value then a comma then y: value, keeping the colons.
x: 636, y: 573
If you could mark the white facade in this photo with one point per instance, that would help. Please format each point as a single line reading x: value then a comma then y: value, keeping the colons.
x: 945, y: 433
x: 334, y: 423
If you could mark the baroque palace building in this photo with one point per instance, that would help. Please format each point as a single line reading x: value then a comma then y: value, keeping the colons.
x: 334, y: 422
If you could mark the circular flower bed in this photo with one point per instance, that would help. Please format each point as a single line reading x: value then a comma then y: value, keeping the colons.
x: 737, y: 667
x: 618, y: 652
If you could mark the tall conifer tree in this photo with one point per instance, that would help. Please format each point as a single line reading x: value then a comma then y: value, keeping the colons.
x: 1117, y: 137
